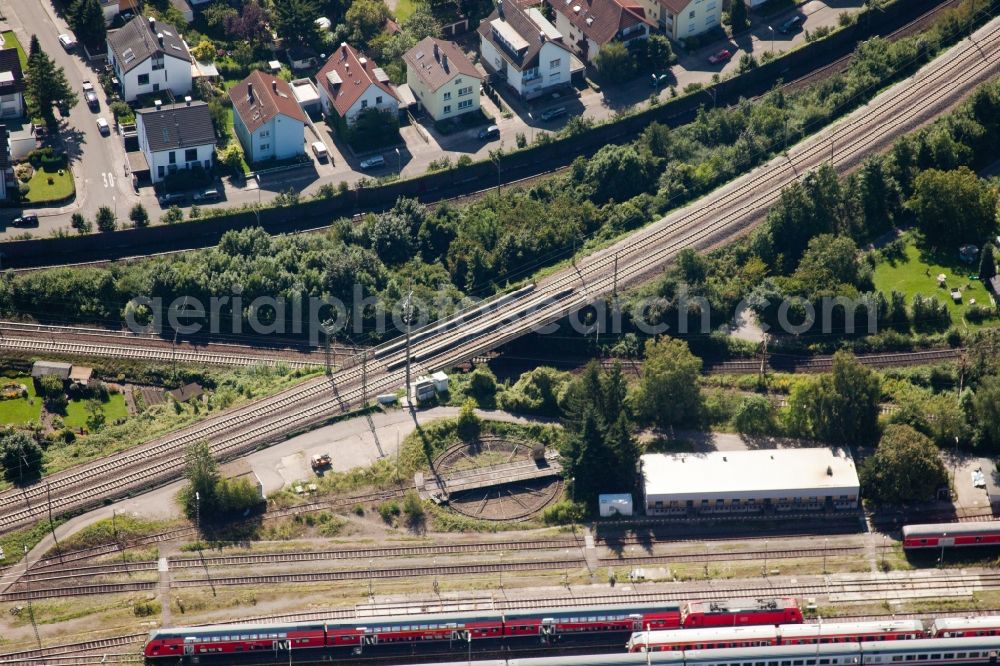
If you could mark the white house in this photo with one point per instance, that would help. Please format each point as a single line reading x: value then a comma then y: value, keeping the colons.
x: 148, y: 56
x: 267, y: 118
x: 591, y: 24
x: 175, y: 136
x: 11, y: 84
x: 6, y: 170
x: 524, y: 49
x: 350, y: 83
x: 443, y: 80
x: 687, y: 18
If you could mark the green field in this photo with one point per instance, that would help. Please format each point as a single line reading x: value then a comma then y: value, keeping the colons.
x: 917, y: 274
x: 40, y: 191
x: 404, y: 8
x: 22, y: 410
x: 76, y: 411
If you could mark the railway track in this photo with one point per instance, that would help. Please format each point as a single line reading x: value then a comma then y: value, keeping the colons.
x: 57, y: 651
x: 725, y: 213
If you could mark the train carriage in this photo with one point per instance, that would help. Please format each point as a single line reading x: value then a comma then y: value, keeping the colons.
x: 951, y: 535
x: 850, y: 632
x: 555, y: 623
x: 784, y: 610
x: 702, y: 639
x: 234, y: 639
x: 958, y: 627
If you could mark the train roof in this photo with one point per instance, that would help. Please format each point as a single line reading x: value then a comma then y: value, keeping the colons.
x: 705, y: 634
x: 834, y: 628
x: 230, y: 629
x: 617, y: 659
x: 982, y: 621
x: 933, y: 644
x: 733, y: 605
x: 626, y: 609
x: 936, y: 529
x: 811, y: 650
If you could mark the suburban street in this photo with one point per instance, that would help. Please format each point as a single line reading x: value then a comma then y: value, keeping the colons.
x: 98, y: 162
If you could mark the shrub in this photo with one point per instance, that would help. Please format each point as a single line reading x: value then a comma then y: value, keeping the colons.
x: 388, y: 510
x: 24, y: 172
x: 413, y: 508
x: 469, y: 424
x: 564, y: 513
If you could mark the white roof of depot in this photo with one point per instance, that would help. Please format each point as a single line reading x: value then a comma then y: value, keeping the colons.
x: 745, y: 474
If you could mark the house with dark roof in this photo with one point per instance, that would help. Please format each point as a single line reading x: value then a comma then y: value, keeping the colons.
x: 522, y: 48
x: 442, y: 79
x: 175, y: 136
x: 148, y: 56
x: 589, y: 25
x: 11, y: 84
x: 267, y: 118
x: 350, y: 83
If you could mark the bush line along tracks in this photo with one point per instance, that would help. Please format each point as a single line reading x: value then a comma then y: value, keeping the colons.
x: 727, y: 212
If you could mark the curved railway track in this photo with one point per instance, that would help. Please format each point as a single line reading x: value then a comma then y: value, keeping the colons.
x: 728, y: 212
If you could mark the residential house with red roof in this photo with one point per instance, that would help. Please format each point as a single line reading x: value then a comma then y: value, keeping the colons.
x: 267, y: 118
x: 522, y: 48
x: 350, y: 83
x: 589, y: 25
x: 681, y: 19
x: 442, y: 79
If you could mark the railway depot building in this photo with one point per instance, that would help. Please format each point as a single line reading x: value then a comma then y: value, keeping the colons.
x: 814, y: 479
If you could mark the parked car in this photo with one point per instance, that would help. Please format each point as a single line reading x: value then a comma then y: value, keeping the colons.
x: 90, y: 96
x: 207, y: 196
x: 373, y: 162
x: 549, y: 114
x: 321, y: 461
x: 171, y: 198
x: 68, y: 41
x: 27, y: 220
x: 791, y: 25
x: 103, y: 127
x: 721, y: 56
x: 320, y: 151
x: 488, y: 133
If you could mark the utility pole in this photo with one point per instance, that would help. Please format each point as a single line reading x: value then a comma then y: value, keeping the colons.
x: 614, y: 284
x: 407, y: 316
x: 52, y: 526
x: 31, y: 610
x: 329, y: 370
x: 364, y: 377
x: 763, y: 357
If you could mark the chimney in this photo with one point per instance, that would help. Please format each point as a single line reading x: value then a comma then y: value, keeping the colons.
x: 343, y: 49
x: 274, y: 85
x: 500, y: 8
x: 444, y: 61
x: 159, y: 38
x: 541, y: 36
x: 187, y: 100
x: 437, y: 52
x: 152, y: 23
x: 157, y: 103
x: 250, y: 92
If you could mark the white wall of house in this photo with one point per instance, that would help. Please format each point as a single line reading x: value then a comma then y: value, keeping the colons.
x: 372, y: 98
x: 278, y: 139
x: 161, y: 163
x: 458, y: 96
x: 574, y: 35
x: 698, y: 17
x: 175, y: 75
x: 552, y: 70
x: 12, y: 105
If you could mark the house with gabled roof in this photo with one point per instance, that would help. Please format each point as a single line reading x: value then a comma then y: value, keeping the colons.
x: 176, y: 136
x: 267, y: 118
x: 350, y: 83
x: 148, y: 56
x: 681, y: 19
x: 589, y: 25
x: 442, y: 79
x: 522, y: 48
x: 11, y: 84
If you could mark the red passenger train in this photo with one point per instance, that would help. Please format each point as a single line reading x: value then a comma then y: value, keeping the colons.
x: 951, y: 535
x: 461, y: 632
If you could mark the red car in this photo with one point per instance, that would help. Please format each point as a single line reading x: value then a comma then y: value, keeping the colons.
x: 721, y: 56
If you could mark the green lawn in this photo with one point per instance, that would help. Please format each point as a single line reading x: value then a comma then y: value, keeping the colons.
x: 917, y: 274
x: 23, y: 410
x: 41, y: 192
x: 76, y: 411
x: 404, y: 8
x: 10, y: 41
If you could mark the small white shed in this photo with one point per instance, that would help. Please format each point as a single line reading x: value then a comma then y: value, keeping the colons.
x: 616, y: 504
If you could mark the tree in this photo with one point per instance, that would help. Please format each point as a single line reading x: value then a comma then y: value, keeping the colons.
x: 250, y: 24
x: 483, y: 384
x: 105, y: 219
x: 231, y: 157
x: 840, y: 407
x: 619, y: 173
x: 468, y: 423
x: 738, y: 19
x: 906, y: 466
x: 421, y: 23
x: 754, y: 416
x: 389, y: 236
x: 659, y: 54
x: 46, y: 86
x: 588, y: 461
x: 50, y: 386
x: 953, y: 207
x: 87, y: 20
x: 95, y: 415
x: 139, y: 216
x: 615, y: 63
x: 204, y: 51
x: 21, y: 457
x: 986, y: 411
x: 987, y: 264
x: 34, y: 48
x: 365, y: 19
x: 174, y: 214
x: 80, y: 223
x: 202, y: 474
x: 535, y: 392
x: 295, y: 22
x: 668, y: 393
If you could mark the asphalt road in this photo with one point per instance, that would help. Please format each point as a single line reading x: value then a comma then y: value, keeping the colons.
x: 97, y: 162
